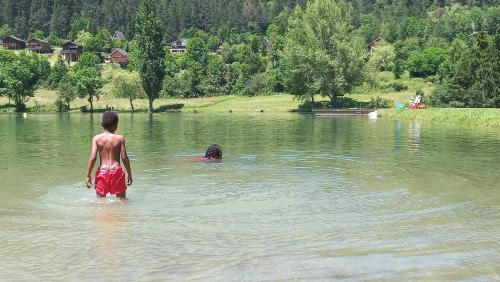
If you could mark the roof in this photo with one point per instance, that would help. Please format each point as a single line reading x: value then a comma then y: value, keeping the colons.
x: 120, y: 50
x: 179, y: 42
x: 38, y: 39
x: 119, y: 34
x: 15, y: 38
x: 70, y: 42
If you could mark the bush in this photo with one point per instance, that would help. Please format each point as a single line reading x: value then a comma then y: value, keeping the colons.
x: 426, y: 62
x: 398, y: 86
x: 379, y: 103
x: 257, y: 85
x: 61, y: 106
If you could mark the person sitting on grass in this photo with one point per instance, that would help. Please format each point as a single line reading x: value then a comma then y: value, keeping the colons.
x: 214, y: 152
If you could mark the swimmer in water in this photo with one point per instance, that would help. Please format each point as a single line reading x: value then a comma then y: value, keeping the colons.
x: 109, y: 177
x: 214, y: 152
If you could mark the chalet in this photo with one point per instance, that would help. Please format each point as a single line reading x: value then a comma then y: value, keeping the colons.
x: 178, y: 46
x: 39, y: 46
x: 118, y: 35
x: 119, y: 56
x: 71, y: 51
x: 13, y: 43
x: 373, y: 44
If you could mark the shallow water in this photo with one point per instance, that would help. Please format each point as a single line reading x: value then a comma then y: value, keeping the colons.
x: 296, y: 198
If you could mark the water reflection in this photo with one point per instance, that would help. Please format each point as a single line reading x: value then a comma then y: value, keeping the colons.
x: 296, y: 198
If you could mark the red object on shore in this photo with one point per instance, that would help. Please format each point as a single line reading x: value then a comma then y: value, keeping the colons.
x: 417, y: 106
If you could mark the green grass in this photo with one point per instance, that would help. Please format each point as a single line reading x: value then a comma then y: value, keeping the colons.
x: 464, y: 117
x: 44, y: 99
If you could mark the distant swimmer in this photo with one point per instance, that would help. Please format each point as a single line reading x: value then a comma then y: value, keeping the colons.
x: 214, y: 152
x: 109, y: 177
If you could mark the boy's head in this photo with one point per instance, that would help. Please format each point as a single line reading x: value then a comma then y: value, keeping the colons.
x: 214, y: 152
x: 109, y: 121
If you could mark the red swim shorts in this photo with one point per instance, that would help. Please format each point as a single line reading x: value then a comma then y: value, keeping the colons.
x: 110, y: 180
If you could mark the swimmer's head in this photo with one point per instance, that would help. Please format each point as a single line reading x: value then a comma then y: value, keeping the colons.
x: 214, y: 152
x: 109, y: 121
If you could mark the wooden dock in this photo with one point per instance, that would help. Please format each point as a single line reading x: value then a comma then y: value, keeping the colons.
x: 341, y: 112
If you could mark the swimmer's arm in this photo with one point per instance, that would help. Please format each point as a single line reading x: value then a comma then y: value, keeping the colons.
x: 126, y: 161
x: 92, y: 159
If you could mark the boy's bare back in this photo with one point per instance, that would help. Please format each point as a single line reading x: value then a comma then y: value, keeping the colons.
x: 111, y: 148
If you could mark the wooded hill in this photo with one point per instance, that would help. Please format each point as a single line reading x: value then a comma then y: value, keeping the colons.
x: 390, y: 18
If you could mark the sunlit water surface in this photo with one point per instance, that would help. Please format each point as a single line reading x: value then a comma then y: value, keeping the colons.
x: 296, y: 198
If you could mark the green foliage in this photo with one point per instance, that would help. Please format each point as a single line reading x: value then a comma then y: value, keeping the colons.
x: 20, y: 74
x: 87, y: 77
x: 36, y: 34
x: 57, y: 72
x: 67, y: 92
x: 127, y: 85
x: 382, y: 58
x: 379, y: 103
x: 398, y: 86
x: 82, y: 24
x: 100, y: 43
x: 426, y: 62
x: 475, y: 81
x: 151, y: 54
x: 322, y: 55
x: 5, y: 30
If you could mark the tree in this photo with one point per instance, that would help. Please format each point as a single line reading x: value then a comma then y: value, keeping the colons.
x: 322, y: 54
x: 151, y: 53
x: 127, y: 85
x: 426, y: 62
x: 67, y: 92
x: 20, y: 76
x: 382, y: 58
x: 57, y: 72
x: 87, y: 77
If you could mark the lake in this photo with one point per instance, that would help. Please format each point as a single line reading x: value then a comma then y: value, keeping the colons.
x: 295, y: 198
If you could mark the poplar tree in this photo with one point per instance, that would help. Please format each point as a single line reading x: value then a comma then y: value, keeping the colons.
x: 151, y: 53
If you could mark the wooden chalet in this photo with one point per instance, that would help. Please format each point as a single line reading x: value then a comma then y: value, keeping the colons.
x: 373, y: 44
x: 39, y: 46
x: 118, y: 35
x: 119, y: 56
x: 178, y: 46
x: 71, y: 51
x: 13, y: 43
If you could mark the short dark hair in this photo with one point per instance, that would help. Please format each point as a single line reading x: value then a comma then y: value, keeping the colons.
x: 109, y: 119
x: 214, y: 151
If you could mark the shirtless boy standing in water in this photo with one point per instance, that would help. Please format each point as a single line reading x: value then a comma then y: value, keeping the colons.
x: 109, y: 177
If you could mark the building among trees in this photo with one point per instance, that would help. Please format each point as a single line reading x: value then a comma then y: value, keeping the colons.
x: 13, y: 43
x: 178, y: 46
x: 119, y: 56
x: 71, y: 51
x: 118, y: 35
x: 38, y: 45
x: 373, y: 44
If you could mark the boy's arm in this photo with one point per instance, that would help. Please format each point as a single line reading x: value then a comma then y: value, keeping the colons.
x: 92, y: 159
x: 126, y: 162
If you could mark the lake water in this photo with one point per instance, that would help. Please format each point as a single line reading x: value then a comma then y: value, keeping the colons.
x: 295, y: 198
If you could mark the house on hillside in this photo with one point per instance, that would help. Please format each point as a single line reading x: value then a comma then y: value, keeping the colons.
x: 13, y: 43
x: 178, y: 46
x: 71, y: 51
x: 119, y: 56
x: 373, y: 44
x: 39, y: 46
x: 118, y: 35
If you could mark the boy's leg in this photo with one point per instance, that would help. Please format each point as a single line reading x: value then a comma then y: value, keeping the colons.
x: 122, y: 195
x: 99, y: 195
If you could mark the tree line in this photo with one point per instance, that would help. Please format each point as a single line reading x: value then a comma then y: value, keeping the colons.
x: 254, y: 47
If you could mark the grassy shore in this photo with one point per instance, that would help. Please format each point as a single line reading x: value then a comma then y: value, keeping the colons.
x: 463, y: 117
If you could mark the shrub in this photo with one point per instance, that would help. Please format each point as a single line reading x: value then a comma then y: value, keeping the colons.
x: 398, y: 86
x: 379, y: 103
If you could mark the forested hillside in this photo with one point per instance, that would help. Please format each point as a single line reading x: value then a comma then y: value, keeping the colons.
x: 307, y: 48
x: 391, y: 18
